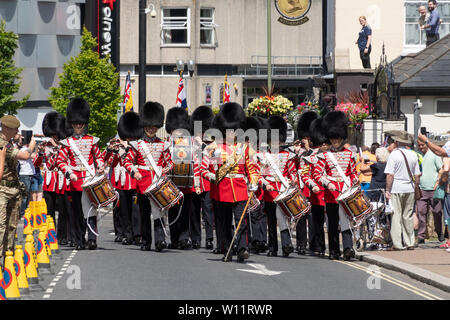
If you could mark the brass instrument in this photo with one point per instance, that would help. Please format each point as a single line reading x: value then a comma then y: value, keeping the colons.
x: 229, y: 165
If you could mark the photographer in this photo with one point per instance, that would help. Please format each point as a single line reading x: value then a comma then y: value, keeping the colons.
x: 10, y: 188
x: 26, y: 173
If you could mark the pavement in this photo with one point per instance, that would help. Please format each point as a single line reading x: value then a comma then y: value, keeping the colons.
x: 427, y: 263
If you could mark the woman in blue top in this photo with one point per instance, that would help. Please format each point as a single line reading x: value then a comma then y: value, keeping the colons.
x: 364, y: 42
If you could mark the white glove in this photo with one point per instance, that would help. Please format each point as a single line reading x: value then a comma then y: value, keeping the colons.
x: 253, y: 187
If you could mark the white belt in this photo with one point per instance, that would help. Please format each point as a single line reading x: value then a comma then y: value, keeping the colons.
x: 272, y: 179
x: 79, y: 168
x: 148, y: 168
x: 335, y: 179
x: 234, y: 176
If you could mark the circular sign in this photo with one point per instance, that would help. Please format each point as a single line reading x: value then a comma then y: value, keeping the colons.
x: 7, y: 278
x: 26, y: 258
x: 293, y: 9
x: 39, y: 246
x: 25, y: 223
x: 17, y: 267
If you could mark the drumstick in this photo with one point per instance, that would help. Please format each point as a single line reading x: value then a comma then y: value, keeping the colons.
x: 240, y: 220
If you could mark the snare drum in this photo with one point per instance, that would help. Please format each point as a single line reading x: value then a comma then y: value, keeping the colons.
x: 293, y: 203
x: 355, y: 203
x: 100, y: 191
x: 164, y: 193
x: 182, y: 173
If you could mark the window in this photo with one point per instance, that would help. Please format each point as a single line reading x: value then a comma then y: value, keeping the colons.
x: 175, y: 27
x: 415, y: 37
x: 443, y: 106
x: 207, y: 27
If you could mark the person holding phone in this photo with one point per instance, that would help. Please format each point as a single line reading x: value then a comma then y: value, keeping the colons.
x: 10, y: 187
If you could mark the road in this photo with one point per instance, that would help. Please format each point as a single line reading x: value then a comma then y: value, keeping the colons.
x: 119, y: 272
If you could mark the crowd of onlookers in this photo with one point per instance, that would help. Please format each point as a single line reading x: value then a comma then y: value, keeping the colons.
x: 406, y: 186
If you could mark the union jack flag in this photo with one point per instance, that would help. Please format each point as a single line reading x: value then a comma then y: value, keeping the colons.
x: 226, y: 91
x: 181, y: 95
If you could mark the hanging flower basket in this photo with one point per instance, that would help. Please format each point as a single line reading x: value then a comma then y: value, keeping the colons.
x: 269, y: 105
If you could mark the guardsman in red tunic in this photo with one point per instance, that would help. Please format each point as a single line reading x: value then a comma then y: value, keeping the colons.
x: 282, y: 162
x: 304, y: 135
x: 80, y: 159
x: 258, y: 218
x: 228, y: 167
x: 129, y: 130
x: 138, y: 164
x: 179, y: 128
x: 325, y: 173
x: 53, y: 127
x: 319, y: 144
x: 202, y: 204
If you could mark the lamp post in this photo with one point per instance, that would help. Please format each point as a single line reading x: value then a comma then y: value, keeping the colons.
x: 269, y: 45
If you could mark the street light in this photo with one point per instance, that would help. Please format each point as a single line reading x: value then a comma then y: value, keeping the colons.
x: 191, y: 67
x: 180, y: 66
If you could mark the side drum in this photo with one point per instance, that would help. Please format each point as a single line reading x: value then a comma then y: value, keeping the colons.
x: 293, y: 203
x: 164, y: 193
x: 100, y: 191
x: 355, y: 203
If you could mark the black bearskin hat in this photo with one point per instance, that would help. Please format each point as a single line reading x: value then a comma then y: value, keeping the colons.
x: 78, y: 111
x: 177, y: 118
x: 203, y: 114
x: 128, y: 126
x: 277, y: 122
x: 152, y: 115
x: 317, y: 132
x: 335, y: 124
x: 230, y: 116
x: 54, y: 125
x: 304, y: 124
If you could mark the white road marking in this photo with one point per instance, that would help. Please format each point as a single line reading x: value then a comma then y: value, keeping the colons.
x: 261, y: 269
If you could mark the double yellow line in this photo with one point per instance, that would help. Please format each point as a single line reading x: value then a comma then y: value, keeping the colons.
x: 392, y: 280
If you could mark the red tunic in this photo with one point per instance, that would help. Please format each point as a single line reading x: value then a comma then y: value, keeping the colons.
x: 325, y: 172
x: 120, y: 177
x: 69, y: 163
x: 233, y: 187
x: 50, y: 168
x: 136, y: 161
x: 305, y: 172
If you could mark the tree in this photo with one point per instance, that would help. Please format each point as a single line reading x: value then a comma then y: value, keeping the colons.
x: 9, y: 74
x: 94, y: 79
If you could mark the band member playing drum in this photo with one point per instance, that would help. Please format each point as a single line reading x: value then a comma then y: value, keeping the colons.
x: 138, y: 162
x: 53, y: 127
x: 258, y: 219
x: 304, y: 135
x: 181, y: 145
x: 336, y: 171
x: 129, y: 130
x: 319, y: 144
x: 78, y: 159
x: 202, y: 204
x: 284, y: 162
x: 229, y: 181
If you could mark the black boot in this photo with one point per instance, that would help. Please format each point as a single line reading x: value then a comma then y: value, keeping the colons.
x: 348, y: 254
x: 301, y: 250
x: 209, y: 244
x: 243, y: 255
x: 92, y: 244
x: 146, y: 246
x: 160, y: 245
x: 272, y: 252
x: 287, y: 250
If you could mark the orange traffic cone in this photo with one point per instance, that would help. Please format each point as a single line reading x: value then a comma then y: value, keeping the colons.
x: 21, y: 273
x: 42, y: 255
x: 10, y: 279
x: 30, y: 265
x: 2, y: 286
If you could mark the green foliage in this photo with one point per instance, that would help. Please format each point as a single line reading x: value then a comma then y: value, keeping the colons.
x: 94, y: 79
x: 9, y: 74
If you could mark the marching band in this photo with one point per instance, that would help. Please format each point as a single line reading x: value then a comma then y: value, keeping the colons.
x: 245, y: 189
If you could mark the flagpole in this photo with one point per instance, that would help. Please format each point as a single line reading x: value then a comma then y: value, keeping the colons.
x: 269, y: 45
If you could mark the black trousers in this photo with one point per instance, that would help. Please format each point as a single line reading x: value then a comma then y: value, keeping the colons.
x: 365, y: 58
x: 270, y: 209
x: 126, y: 216
x: 258, y: 222
x: 146, y: 224
x: 317, y: 243
x: 219, y: 226
x: 333, y: 230
x: 63, y: 229
x: 432, y: 38
x: 227, y: 211
x: 179, y: 221
x: 51, y: 202
x: 79, y: 223
x: 202, y: 210
x: 304, y: 231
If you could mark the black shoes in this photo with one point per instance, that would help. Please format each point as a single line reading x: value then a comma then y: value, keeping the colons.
x: 79, y: 247
x: 301, y: 250
x: 272, y: 252
x: 185, y: 244
x: 225, y: 259
x: 242, y: 255
x: 160, y: 245
x: 173, y: 245
x: 441, y: 238
x: 196, y: 245
x: 72, y: 244
x: 126, y: 242
x: 63, y: 242
x: 348, y: 254
x: 334, y: 255
x: 209, y: 244
x: 92, y: 245
x: 137, y: 240
x: 118, y: 239
x: 287, y: 250
x: 421, y: 241
x: 146, y: 246
x: 218, y: 251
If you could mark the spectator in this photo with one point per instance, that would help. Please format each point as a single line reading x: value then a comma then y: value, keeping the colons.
x: 400, y: 190
x: 422, y: 16
x: 376, y: 170
x: 26, y: 173
x: 441, y: 152
x: 431, y: 165
x: 364, y: 42
x: 433, y: 22
x: 367, y: 159
x: 2, y: 161
x: 446, y: 202
x: 374, y: 147
x: 37, y: 180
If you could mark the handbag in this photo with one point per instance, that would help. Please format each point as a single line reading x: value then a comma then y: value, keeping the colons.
x: 417, y: 191
x: 439, y: 193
